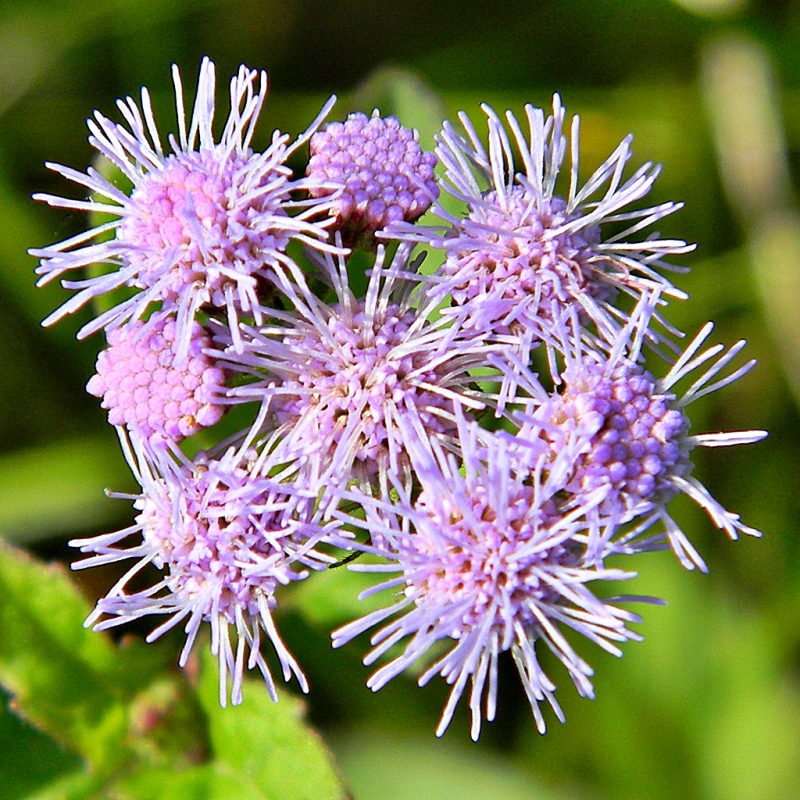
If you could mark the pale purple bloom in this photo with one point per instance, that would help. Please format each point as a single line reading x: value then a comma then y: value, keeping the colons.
x: 226, y: 541
x: 481, y: 562
x: 638, y: 434
x: 629, y: 432
x: 204, y: 220
x: 531, y: 236
x: 337, y: 379
x: 382, y: 174
x: 146, y: 391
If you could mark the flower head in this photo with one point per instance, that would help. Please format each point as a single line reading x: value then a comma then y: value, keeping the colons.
x: 522, y: 245
x: 486, y: 562
x: 226, y: 541
x: 204, y: 220
x: 339, y: 378
x: 226, y: 280
x: 383, y: 174
x: 628, y: 432
x: 635, y: 434
x: 144, y: 388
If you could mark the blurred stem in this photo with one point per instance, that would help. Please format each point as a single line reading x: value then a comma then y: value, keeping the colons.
x: 739, y: 91
x: 743, y: 105
x: 775, y: 253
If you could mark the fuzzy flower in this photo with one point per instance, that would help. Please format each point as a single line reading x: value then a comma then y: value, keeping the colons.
x: 144, y: 389
x: 524, y: 243
x: 628, y: 431
x: 485, y: 563
x: 203, y: 221
x: 225, y: 541
x: 383, y: 174
x: 336, y: 380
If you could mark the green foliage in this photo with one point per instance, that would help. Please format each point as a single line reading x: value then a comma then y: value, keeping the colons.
x: 442, y: 770
x: 36, y: 500
x: 403, y: 94
x: 135, y: 725
x: 268, y: 744
x: 259, y: 750
x: 72, y: 684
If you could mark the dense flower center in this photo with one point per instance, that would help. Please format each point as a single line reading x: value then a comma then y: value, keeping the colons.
x: 202, y: 217
x: 478, y: 562
x: 523, y: 252
x: 381, y: 171
x: 357, y: 377
x: 143, y: 388
x: 636, y: 435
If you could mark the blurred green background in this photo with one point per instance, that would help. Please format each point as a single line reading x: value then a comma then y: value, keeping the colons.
x: 708, y: 706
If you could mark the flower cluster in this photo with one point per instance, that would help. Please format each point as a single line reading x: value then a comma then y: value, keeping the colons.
x: 494, y: 438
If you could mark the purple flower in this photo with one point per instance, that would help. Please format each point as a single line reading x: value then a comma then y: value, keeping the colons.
x: 203, y: 222
x: 226, y: 541
x: 337, y: 380
x: 147, y: 392
x: 382, y: 174
x: 485, y: 562
x: 524, y: 243
x: 628, y: 431
x: 635, y: 435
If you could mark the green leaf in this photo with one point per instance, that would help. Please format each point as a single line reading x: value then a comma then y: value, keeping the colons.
x: 167, y: 725
x: 29, y: 759
x: 202, y: 782
x: 69, y: 681
x: 78, y: 785
x: 267, y: 745
x: 215, y: 781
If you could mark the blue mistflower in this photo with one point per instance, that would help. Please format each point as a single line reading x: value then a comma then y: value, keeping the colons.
x: 628, y: 431
x: 336, y: 380
x: 403, y: 422
x: 522, y: 246
x: 203, y: 221
x: 485, y: 562
x: 225, y: 540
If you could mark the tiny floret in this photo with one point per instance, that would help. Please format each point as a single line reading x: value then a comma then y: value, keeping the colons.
x: 635, y: 435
